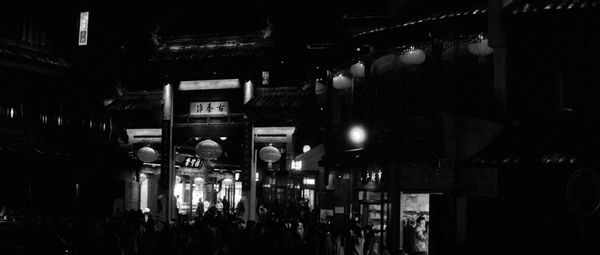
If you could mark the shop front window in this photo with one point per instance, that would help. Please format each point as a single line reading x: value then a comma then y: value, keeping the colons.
x: 183, y: 194
x: 238, y: 193
x: 309, y: 195
x: 144, y: 193
x: 198, y: 193
x: 374, y: 213
x: 227, y: 192
x: 415, y: 222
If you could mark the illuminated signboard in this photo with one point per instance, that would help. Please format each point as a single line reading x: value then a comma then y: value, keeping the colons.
x: 209, y: 108
x: 296, y: 165
x: 209, y: 84
x: 84, y: 19
x: 192, y: 162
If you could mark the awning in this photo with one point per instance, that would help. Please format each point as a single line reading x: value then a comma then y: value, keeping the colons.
x: 310, y: 159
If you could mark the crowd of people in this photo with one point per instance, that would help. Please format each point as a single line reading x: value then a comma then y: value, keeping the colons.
x: 214, y: 232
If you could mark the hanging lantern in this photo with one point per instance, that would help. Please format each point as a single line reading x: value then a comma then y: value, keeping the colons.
x: 147, y: 154
x: 479, y: 46
x: 269, y: 154
x: 358, y: 70
x: 386, y: 64
x: 208, y: 149
x: 449, y: 50
x: 342, y: 81
x: 320, y: 88
x: 198, y: 180
x: 412, y: 56
x: 227, y: 182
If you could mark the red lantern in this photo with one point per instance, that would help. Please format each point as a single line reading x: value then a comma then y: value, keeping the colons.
x: 479, y: 47
x: 386, y: 64
x: 358, y: 69
x: 147, y: 154
x: 413, y: 56
x: 342, y: 81
x: 269, y: 154
x: 320, y: 88
x: 208, y: 149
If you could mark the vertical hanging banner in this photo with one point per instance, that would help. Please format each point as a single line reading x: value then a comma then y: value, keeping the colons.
x: 265, y: 78
x: 83, y: 28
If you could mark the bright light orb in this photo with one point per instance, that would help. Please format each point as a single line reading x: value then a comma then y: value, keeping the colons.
x: 305, y: 148
x: 357, y: 134
x: 342, y: 82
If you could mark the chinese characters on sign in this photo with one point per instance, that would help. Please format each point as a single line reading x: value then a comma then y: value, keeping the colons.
x: 83, y: 28
x: 209, y: 108
x: 296, y: 165
x: 192, y: 162
x: 265, y: 78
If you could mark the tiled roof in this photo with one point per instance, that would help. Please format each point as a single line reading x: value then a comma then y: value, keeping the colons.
x: 553, y: 144
x: 519, y: 7
x: 135, y: 101
x: 278, y: 97
x: 531, y: 6
x: 20, y: 52
x: 430, y: 19
x: 206, y: 48
x: 32, y: 147
x: 208, y: 54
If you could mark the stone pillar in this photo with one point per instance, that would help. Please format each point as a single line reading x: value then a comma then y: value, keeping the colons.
x: 395, y: 221
x: 497, y: 40
x: 251, y: 210
x: 167, y: 176
x: 153, y: 193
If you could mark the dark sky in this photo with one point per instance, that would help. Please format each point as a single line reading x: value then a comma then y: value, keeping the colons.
x: 119, y: 31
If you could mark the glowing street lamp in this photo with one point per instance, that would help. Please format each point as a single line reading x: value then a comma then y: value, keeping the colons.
x: 357, y: 134
x: 305, y: 148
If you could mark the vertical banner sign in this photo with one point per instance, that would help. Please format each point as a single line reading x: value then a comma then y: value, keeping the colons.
x: 265, y: 78
x: 83, y: 28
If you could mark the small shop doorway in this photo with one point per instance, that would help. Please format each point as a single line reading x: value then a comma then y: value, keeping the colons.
x: 414, y: 206
x: 417, y: 211
x: 375, y: 213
